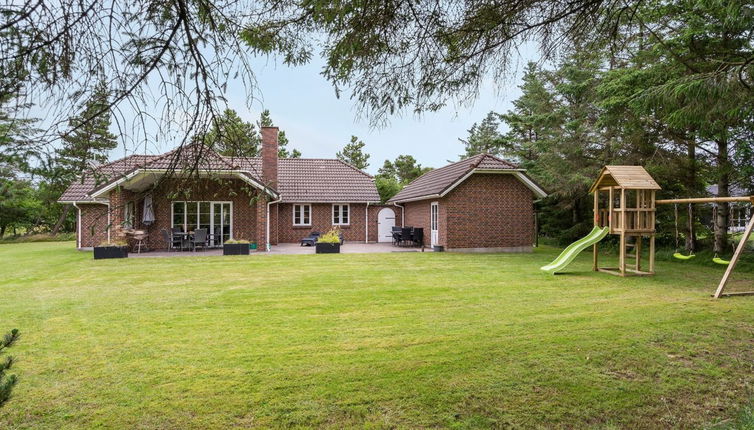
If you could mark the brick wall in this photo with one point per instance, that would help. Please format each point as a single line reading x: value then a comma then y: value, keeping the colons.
x: 242, y: 196
x: 322, y: 222
x: 489, y: 211
x: 93, y: 228
x: 417, y: 215
x: 246, y: 223
x: 485, y: 211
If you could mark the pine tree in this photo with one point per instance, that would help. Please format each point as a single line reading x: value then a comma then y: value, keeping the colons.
x: 404, y: 169
x: 353, y: 154
x: 89, y: 140
x: 7, y: 382
x: 534, y: 121
x: 484, y: 138
x: 266, y: 121
x: 87, y: 143
x: 232, y: 136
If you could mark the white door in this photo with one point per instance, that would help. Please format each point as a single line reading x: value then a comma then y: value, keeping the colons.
x: 385, y: 224
x: 434, y: 221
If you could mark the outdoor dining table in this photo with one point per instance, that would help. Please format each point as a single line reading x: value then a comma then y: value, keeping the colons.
x: 141, y: 237
x: 189, y: 235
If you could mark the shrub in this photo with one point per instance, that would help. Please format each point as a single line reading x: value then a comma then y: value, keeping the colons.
x: 7, y: 382
x: 332, y: 236
x: 39, y: 237
x: 232, y: 241
x: 113, y: 243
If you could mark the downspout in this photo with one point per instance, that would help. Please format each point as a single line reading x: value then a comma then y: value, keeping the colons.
x: 108, y: 222
x: 268, y: 247
x: 403, y: 214
x: 366, y: 224
x: 78, y: 226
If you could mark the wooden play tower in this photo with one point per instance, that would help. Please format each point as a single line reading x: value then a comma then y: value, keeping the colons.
x: 624, y: 201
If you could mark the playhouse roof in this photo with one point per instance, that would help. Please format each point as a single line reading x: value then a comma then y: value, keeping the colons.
x: 628, y: 177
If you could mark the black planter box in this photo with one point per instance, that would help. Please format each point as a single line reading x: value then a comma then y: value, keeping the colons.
x: 438, y: 248
x: 236, y: 249
x: 327, y: 248
x: 102, y: 252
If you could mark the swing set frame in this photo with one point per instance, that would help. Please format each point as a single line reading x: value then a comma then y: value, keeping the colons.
x: 628, y: 194
x: 720, y: 292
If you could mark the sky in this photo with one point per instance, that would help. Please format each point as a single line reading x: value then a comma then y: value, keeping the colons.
x: 317, y: 123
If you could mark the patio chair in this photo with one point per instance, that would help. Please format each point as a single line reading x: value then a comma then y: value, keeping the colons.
x: 405, y: 234
x: 396, y: 234
x: 171, y: 239
x: 199, y: 239
x: 418, y: 236
x: 311, y: 239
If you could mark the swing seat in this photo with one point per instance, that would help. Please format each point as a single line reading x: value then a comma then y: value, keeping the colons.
x: 720, y: 261
x: 680, y: 256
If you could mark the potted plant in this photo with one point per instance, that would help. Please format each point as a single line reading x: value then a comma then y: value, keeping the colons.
x: 236, y: 247
x: 329, y: 243
x: 115, y: 249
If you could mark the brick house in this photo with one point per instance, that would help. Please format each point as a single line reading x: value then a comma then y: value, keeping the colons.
x: 480, y: 204
x: 262, y: 199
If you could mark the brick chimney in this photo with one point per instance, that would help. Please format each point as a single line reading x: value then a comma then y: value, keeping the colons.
x: 270, y: 156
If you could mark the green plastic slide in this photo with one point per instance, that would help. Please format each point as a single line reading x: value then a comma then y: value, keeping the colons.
x: 566, y: 257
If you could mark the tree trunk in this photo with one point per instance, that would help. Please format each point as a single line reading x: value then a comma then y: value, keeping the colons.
x: 723, y: 190
x: 575, y: 212
x: 2, y: 231
x: 61, y: 220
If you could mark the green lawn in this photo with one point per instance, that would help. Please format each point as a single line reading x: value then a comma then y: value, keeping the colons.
x: 384, y: 340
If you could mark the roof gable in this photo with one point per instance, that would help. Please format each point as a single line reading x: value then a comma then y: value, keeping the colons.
x: 629, y: 177
x: 101, y: 175
x: 437, y: 181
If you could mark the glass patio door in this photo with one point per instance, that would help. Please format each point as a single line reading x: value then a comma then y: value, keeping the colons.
x: 221, y: 223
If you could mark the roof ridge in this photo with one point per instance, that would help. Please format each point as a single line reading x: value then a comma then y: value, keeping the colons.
x: 356, y: 168
x: 461, y: 161
x: 310, y: 158
x: 124, y: 158
x: 439, y: 169
x: 496, y: 158
x: 182, y: 148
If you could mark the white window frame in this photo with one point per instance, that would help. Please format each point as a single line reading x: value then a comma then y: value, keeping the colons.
x: 300, y: 207
x: 211, y: 213
x: 129, y: 214
x: 339, y: 207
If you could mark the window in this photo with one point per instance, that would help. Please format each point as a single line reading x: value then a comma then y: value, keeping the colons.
x: 128, y: 215
x: 216, y: 217
x: 340, y: 215
x: 302, y: 214
x: 179, y: 215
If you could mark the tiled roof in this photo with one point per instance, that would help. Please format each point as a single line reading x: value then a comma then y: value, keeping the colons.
x: 324, y: 180
x: 317, y: 180
x: 436, y: 181
x: 299, y: 179
x: 79, y: 190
